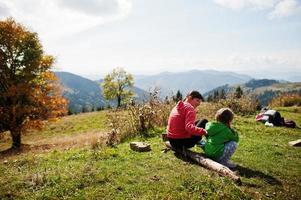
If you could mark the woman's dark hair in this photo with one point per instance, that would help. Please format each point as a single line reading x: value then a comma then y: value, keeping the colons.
x: 195, y: 94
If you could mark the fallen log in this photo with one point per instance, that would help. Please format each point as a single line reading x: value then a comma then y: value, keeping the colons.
x: 207, y: 163
x: 296, y: 143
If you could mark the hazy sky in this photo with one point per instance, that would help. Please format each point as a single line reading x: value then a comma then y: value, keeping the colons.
x: 91, y: 37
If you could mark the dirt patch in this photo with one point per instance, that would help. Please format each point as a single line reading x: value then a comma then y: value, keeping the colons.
x: 77, y: 140
x: 81, y: 140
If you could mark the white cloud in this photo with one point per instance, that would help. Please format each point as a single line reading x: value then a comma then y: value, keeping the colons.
x: 288, y: 60
x: 97, y: 7
x: 276, y: 8
x: 4, y: 10
x: 285, y: 8
x: 94, y: 7
x: 247, y: 4
x: 63, y: 17
x: 278, y: 60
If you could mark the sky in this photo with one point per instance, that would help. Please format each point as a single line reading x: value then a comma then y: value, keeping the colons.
x: 261, y: 38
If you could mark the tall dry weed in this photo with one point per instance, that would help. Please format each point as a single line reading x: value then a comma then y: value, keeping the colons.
x: 207, y: 110
x: 286, y: 100
x: 140, y: 119
x: 244, y: 105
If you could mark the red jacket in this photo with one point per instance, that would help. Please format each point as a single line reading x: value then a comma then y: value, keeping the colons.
x: 181, y: 122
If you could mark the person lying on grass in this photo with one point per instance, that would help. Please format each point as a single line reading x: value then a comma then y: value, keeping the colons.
x: 182, y: 132
x: 221, y: 138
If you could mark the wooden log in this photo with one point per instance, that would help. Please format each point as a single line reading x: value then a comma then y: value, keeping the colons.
x: 208, y: 163
x: 296, y: 143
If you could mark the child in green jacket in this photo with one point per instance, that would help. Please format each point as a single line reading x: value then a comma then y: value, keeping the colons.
x: 221, y: 139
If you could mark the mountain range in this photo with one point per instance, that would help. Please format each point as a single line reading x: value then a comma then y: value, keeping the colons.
x: 201, y: 80
x: 86, y: 95
x: 263, y: 89
x: 83, y: 94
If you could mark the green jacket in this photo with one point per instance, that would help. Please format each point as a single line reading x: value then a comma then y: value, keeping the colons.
x: 218, y: 134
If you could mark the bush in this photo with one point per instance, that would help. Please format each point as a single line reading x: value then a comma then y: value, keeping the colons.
x: 286, y: 100
x: 244, y: 105
x: 140, y: 119
x: 143, y: 119
x: 207, y: 110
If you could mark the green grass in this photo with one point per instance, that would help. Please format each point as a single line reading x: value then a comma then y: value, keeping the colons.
x: 72, y: 125
x: 76, y: 124
x: 269, y: 169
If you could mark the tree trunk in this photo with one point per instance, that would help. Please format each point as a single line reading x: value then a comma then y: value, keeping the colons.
x: 16, y: 137
x: 118, y: 101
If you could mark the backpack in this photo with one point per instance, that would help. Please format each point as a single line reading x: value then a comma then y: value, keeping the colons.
x: 271, y: 116
x: 274, y: 117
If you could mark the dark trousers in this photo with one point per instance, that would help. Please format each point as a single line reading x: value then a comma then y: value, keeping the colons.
x: 188, y: 142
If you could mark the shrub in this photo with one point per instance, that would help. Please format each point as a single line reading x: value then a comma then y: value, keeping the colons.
x: 244, y: 105
x: 286, y: 100
x: 119, y: 123
x: 140, y: 119
x: 207, y: 110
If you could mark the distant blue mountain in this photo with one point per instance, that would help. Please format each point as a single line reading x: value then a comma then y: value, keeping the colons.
x: 86, y: 95
x: 201, y: 80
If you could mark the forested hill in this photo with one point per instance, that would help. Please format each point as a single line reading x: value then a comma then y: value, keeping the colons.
x: 264, y: 89
x: 85, y: 95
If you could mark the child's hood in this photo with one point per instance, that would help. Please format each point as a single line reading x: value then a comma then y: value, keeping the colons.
x: 182, y: 106
x: 214, y: 128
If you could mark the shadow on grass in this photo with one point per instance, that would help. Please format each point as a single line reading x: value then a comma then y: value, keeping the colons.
x: 24, y: 148
x: 13, y: 151
x: 251, y: 173
x: 242, y: 171
x: 184, y: 158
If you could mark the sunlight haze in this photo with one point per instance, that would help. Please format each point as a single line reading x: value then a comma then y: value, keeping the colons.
x: 90, y: 38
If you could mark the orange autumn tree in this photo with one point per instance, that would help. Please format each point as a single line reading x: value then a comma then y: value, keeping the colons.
x: 29, y: 92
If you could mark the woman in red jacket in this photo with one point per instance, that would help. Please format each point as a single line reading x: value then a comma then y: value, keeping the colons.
x: 181, y: 130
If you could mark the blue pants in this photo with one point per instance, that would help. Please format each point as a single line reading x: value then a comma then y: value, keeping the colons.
x: 229, y: 150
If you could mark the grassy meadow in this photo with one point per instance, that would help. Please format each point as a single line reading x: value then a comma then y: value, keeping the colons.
x: 73, y: 166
